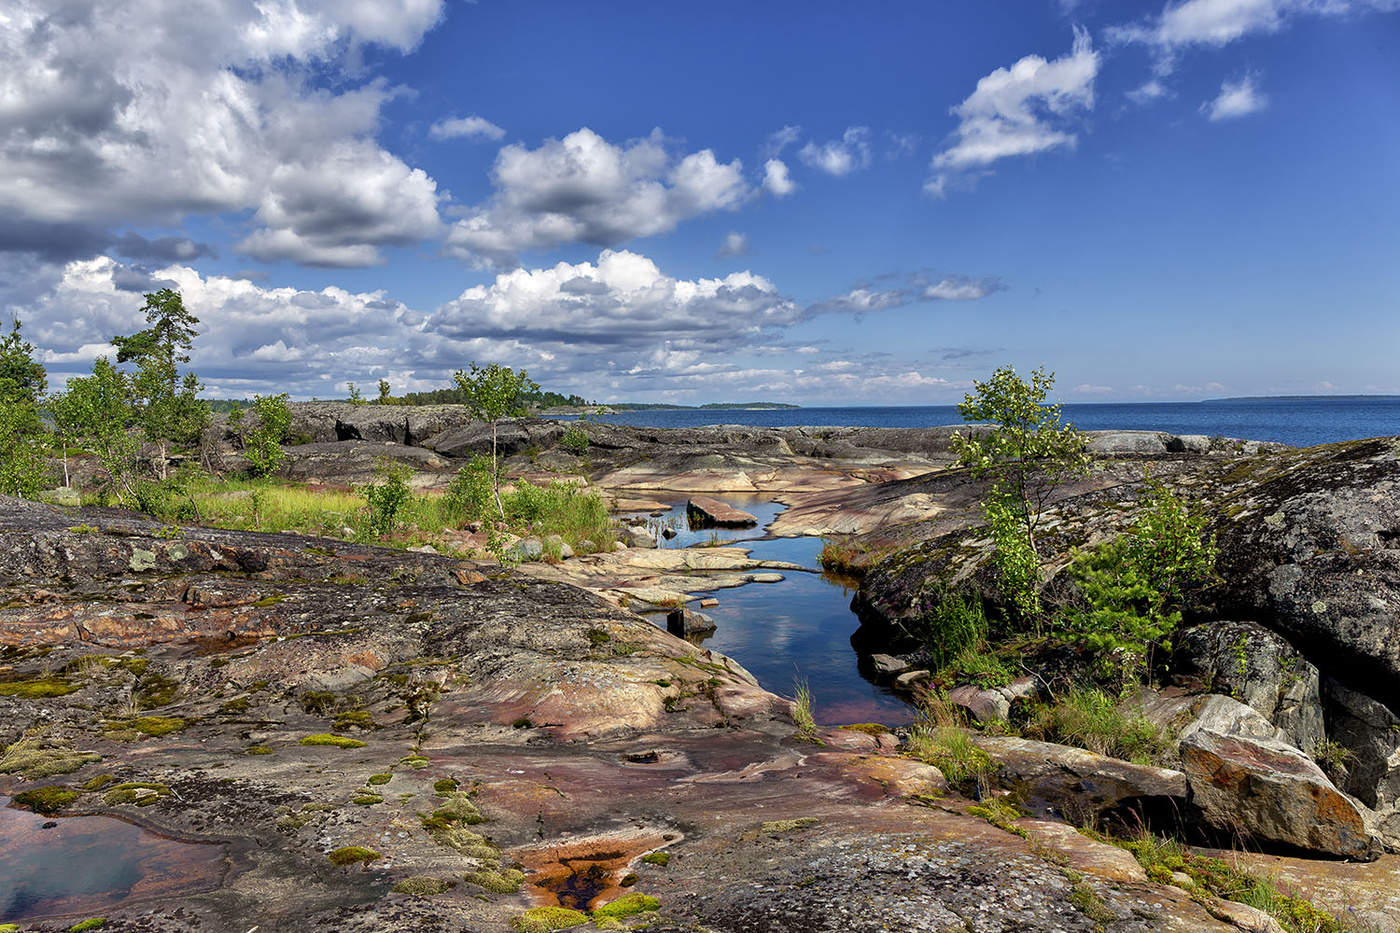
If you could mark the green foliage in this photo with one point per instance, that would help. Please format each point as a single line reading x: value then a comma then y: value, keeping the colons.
x: 950, y: 749
x: 351, y: 855
x: 356, y: 397
x: 1136, y: 585
x: 575, y: 439
x: 1027, y: 450
x: 469, y: 494
x: 494, y: 392
x: 1014, y: 556
x: 262, y: 443
x: 385, y: 393
x: 22, y: 380
x: 561, y: 508
x: 627, y: 905
x: 387, y: 497
x: 949, y: 622
x: 1091, y: 719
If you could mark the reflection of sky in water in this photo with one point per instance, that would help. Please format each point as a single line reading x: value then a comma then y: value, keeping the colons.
x: 82, y: 864
x: 799, y: 629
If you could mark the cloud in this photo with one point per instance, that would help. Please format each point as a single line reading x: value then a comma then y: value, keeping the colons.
x: 900, y: 144
x: 961, y: 288
x: 841, y: 156
x: 469, y: 127
x: 1236, y: 99
x: 101, y: 100
x: 1019, y: 111
x: 735, y: 244
x: 584, y: 189
x: 1149, y: 91
x: 166, y: 248
x: 779, y: 140
x: 776, y: 180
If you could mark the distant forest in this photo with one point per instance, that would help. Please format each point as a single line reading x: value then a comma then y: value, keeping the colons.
x: 536, y: 400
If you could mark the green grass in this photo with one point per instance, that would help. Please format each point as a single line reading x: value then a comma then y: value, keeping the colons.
x: 1088, y: 718
x: 940, y: 738
x: 802, y: 710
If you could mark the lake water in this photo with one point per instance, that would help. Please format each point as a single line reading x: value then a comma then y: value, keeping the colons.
x: 799, y: 629
x: 1301, y: 422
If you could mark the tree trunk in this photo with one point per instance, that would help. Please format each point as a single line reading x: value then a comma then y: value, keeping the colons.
x: 496, y: 475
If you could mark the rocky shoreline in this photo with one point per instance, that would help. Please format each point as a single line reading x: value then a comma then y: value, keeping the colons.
x: 382, y: 739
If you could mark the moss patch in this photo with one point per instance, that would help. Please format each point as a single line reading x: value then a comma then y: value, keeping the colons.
x: 145, y: 725
x: 350, y: 855
x: 91, y: 923
x: 36, y: 763
x: 546, y: 919
x: 423, y: 886
x: 445, y: 786
x: 497, y: 882
x: 628, y: 905
x: 367, y: 800
x: 47, y: 800
x: 257, y: 750
x: 354, y: 719
x: 38, y: 689
x: 98, y: 782
x: 155, y: 690
x: 787, y: 826
x: 869, y: 728
x: 335, y: 741
x: 377, y: 779
x: 657, y: 858
x: 415, y: 761
x: 141, y: 793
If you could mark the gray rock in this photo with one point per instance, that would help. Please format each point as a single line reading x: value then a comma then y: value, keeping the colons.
x: 909, y: 679
x: 1253, y: 664
x: 526, y: 549
x: 638, y: 536
x: 513, y: 436
x: 1370, y: 734
x: 994, y: 704
x: 888, y: 665
x: 557, y: 543
x: 685, y: 623
x: 1078, y: 784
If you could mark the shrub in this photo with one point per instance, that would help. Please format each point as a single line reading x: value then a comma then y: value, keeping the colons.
x: 262, y: 445
x: 950, y: 622
x: 575, y: 439
x: 469, y: 494
x: 387, y: 497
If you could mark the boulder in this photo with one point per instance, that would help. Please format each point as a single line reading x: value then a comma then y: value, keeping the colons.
x: 1245, y: 780
x: 1366, y: 737
x: 1253, y: 664
x: 1312, y: 547
x: 994, y: 704
x: 684, y: 623
x: 638, y: 536
x: 1078, y: 784
x: 886, y: 665
x: 526, y: 549
x: 557, y: 544
x: 706, y: 512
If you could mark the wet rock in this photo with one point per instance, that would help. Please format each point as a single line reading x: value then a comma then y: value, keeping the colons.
x: 1253, y: 664
x: 994, y: 704
x: 706, y: 512
x: 685, y: 623
x: 1078, y: 784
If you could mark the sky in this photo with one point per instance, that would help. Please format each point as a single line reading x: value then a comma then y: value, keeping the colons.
x: 821, y: 203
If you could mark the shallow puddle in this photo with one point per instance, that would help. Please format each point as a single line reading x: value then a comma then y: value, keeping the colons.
x: 799, y: 629
x: 88, y: 864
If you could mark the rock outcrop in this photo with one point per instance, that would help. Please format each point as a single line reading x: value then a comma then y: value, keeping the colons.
x: 708, y: 512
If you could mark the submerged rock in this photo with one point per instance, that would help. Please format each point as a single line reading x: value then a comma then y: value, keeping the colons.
x: 705, y: 512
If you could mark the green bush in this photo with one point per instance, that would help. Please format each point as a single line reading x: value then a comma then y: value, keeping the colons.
x: 575, y: 439
x: 1135, y: 586
x: 949, y: 622
x: 387, y: 497
x: 262, y: 445
x: 468, y: 496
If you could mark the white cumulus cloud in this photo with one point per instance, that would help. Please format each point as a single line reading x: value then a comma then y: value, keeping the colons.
x: 776, y: 180
x: 841, y: 156
x: 1019, y: 111
x: 584, y: 189
x: 469, y: 127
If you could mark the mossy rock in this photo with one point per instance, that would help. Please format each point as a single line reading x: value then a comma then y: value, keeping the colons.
x: 141, y: 793
x: 40, y: 688
x: 334, y: 741
x: 417, y: 762
x: 497, y: 882
x: 547, y: 919
x: 47, y: 800
x: 37, y: 763
x: 92, y: 923
x: 354, y: 719
x: 657, y: 858
x: 423, y: 886
x: 155, y: 690
x: 351, y: 855
x: 236, y: 705
x: 366, y: 800
x: 145, y: 725
x: 628, y: 905
x: 376, y: 780
x: 257, y: 750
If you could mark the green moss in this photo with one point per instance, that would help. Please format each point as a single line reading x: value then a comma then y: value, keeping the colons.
x: 47, y: 800
x: 38, y: 689
x: 367, y: 800
x: 141, y: 793
x: 547, y: 919
x: 787, y: 826
x: 350, y: 855
x: 269, y: 601
x: 523, y: 723
x: 628, y: 905
x: 9, y: 928
x: 354, y: 719
x: 98, y: 782
x: 423, y: 886
x: 497, y: 882
x: 257, y: 750
x: 335, y: 741
x: 415, y: 761
x: 869, y: 728
x: 377, y: 779
x: 147, y: 725
x: 657, y: 858
x: 1000, y: 813
x: 1090, y: 904
x: 155, y: 690
x: 36, y: 763
x: 92, y: 923
x: 445, y: 786
x: 236, y: 705
x: 597, y: 636
x: 447, y: 823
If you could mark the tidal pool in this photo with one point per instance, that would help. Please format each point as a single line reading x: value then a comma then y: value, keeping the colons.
x: 796, y: 630
x: 84, y: 865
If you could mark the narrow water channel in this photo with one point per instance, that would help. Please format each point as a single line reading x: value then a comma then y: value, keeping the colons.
x: 796, y: 630
x: 83, y: 865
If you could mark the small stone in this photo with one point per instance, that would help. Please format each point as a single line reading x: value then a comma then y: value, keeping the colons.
x: 888, y: 665
x: 910, y: 678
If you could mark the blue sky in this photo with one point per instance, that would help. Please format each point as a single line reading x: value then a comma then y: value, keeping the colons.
x: 651, y: 201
